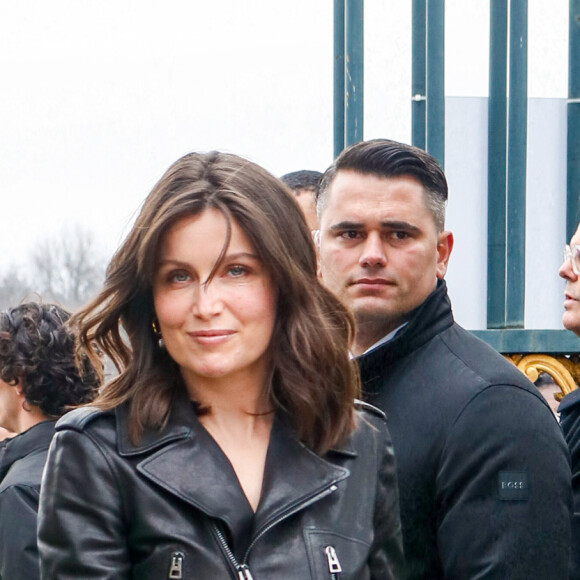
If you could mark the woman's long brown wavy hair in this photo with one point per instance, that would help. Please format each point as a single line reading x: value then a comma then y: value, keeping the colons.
x: 313, y: 382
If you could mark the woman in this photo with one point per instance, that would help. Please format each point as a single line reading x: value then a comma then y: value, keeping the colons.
x: 38, y: 382
x: 228, y: 446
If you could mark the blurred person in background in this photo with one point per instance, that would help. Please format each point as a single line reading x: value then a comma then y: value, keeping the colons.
x: 304, y: 185
x: 5, y: 434
x: 39, y: 381
x: 569, y: 408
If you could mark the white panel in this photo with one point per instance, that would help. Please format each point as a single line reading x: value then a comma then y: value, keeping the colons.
x: 466, y: 170
x: 545, y: 212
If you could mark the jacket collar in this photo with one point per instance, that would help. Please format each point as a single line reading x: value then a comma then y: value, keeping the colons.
x: 185, y: 460
x: 294, y: 475
x: 179, y: 426
x: 429, y: 319
x: 36, y: 438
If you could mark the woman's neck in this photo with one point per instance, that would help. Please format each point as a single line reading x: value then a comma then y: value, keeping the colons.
x: 243, y: 437
x: 243, y: 394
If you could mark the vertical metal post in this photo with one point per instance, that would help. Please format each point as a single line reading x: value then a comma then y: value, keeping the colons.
x: 436, y: 79
x: 354, y: 77
x: 496, y: 165
x: 338, y: 112
x: 516, y: 169
x: 418, y: 89
x: 573, y: 167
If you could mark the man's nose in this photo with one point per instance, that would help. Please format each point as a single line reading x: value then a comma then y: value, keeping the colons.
x: 373, y: 252
x: 566, y: 271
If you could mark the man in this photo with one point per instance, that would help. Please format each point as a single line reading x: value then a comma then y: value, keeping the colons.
x: 569, y: 408
x: 38, y: 382
x: 483, y: 468
x: 304, y: 184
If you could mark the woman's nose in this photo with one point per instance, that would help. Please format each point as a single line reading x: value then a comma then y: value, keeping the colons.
x: 208, y: 301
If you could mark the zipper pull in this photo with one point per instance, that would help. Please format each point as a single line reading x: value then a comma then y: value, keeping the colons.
x: 334, y: 566
x: 244, y: 573
x: 176, y: 566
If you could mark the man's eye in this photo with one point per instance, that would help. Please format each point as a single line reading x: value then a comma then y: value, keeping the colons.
x: 350, y: 235
x: 400, y: 235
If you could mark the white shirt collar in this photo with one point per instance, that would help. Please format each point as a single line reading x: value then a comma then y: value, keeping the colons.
x: 385, y: 339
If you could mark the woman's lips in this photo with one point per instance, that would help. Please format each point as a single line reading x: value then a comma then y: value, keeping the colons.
x: 211, y: 336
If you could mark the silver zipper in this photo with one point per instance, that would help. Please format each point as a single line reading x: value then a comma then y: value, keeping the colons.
x: 244, y: 573
x: 287, y: 514
x: 242, y: 569
x: 334, y: 566
x: 176, y: 566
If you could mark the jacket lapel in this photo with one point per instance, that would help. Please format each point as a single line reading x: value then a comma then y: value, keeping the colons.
x: 185, y: 460
x: 294, y: 476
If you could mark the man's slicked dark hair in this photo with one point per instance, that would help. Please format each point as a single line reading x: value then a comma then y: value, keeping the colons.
x: 386, y: 158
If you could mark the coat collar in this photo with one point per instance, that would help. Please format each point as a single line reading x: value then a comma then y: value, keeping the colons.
x: 294, y: 475
x: 186, y: 461
x: 429, y: 319
x: 37, y: 437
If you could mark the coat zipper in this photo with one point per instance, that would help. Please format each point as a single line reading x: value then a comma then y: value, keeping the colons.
x: 334, y: 567
x: 287, y: 514
x: 242, y: 569
x: 176, y: 566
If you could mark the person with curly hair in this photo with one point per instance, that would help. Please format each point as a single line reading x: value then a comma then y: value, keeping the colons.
x: 39, y: 381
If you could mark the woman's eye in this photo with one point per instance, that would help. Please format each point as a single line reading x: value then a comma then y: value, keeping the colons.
x: 236, y: 271
x: 178, y: 276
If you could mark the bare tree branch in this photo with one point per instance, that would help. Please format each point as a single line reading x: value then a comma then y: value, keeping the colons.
x: 67, y: 268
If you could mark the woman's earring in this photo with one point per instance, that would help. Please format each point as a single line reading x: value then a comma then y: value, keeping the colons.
x: 157, y: 333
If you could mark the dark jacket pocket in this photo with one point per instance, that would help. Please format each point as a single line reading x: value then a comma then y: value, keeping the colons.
x: 336, y: 556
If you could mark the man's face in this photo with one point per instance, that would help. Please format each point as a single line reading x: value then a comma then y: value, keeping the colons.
x: 305, y: 199
x: 571, y: 316
x: 379, y: 250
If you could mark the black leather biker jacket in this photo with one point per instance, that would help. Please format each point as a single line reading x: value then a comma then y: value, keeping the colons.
x: 172, y: 507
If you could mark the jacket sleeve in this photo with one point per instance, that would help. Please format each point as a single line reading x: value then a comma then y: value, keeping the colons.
x: 81, y: 530
x: 19, y: 552
x: 503, y: 490
x: 386, y: 560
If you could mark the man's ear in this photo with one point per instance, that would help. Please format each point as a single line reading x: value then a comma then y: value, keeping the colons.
x: 316, y: 240
x: 444, y: 247
x: 19, y: 390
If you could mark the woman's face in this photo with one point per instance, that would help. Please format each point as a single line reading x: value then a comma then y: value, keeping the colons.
x: 221, y: 329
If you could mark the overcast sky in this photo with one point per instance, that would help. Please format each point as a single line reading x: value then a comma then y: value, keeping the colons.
x: 99, y: 97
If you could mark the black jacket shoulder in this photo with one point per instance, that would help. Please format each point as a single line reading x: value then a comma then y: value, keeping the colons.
x: 569, y: 402
x: 78, y: 419
x: 368, y: 409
